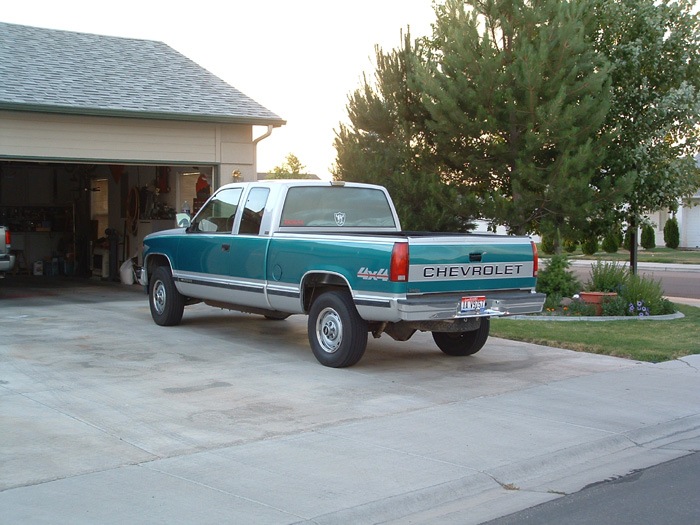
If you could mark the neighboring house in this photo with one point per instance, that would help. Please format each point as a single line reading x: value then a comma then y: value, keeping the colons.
x: 688, y: 222
x: 102, y: 132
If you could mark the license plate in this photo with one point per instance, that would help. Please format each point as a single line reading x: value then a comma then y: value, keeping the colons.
x: 472, y: 305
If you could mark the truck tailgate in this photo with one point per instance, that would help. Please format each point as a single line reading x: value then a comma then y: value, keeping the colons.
x: 470, y: 263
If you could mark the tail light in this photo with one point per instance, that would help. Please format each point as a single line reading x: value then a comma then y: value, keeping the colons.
x: 8, y: 238
x: 399, y: 263
x: 535, y: 259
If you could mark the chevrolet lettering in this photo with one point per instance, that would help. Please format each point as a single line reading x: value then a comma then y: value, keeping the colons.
x: 335, y: 252
x: 469, y: 271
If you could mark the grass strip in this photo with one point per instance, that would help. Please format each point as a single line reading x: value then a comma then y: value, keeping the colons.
x: 654, y: 255
x: 648, y: 340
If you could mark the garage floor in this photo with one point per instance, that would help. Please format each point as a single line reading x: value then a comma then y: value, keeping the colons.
x: 107, y: 417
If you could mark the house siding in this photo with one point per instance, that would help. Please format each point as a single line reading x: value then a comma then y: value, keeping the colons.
x: 64, y: 137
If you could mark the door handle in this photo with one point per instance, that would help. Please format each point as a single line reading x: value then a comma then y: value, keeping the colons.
x: 225, y: 247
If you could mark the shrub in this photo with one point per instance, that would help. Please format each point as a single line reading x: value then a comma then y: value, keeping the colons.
x: 590, y: 246
x: 570, y: 246
x: 547, y: 245
x: 614, y: 306
x: 611, y: 242
x: 672, y: 236
x: 557, y: 279
x: 665, y: 307
x: 648, y: 237
x: 552, y: 302
x: 582, y: 308
x: 607, y: 277
x: 644, y: 296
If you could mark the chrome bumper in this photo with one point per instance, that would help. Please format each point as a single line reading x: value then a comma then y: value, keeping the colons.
x: 442, y: 307
x: 7, y: 262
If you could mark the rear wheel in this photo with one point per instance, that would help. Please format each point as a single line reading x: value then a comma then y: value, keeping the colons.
x: 167, y: 304
x: 337, y: 333
x: 463, y: 343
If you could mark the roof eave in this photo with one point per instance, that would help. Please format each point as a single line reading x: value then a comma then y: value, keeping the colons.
x: 148, y: 115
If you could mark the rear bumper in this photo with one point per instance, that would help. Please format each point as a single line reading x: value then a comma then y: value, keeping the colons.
x: 7, y: 262
x: 444, y: 307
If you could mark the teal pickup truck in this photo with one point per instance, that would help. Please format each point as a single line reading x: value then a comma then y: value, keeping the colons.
x: 335, y: 252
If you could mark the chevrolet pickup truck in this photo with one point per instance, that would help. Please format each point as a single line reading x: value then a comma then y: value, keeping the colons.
x: 7, y: 260
x: 336, y: 252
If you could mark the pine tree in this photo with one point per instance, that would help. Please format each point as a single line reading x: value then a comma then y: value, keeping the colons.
x: 386, y: 143
x: 516, y: 96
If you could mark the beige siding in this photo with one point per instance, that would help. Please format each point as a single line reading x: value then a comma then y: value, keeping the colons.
x: 61, y: 137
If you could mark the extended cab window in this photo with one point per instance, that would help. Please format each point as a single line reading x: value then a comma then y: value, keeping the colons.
x: 337, y: 207
x: 253, y: 211
x: 218, y: 214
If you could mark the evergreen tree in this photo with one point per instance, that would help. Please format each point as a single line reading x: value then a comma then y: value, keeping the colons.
x: 672, y: 236
x: 654, y: 46
x: 516, y: 96
x: 648, y: 237
x: 386, y: 143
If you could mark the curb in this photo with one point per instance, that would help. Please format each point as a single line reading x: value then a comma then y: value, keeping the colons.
x: 599, y: 319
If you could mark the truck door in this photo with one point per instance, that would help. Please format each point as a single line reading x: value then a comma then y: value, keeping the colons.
x: 202, y: 268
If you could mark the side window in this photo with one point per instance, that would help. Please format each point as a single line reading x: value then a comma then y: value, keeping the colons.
x: 253, y: 211
x: 218, y: 213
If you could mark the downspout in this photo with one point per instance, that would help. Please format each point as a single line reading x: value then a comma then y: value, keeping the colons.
x: 255, y: 148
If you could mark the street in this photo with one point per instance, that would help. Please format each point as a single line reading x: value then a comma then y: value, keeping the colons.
x: 675, y: 283
x: 666, y: 493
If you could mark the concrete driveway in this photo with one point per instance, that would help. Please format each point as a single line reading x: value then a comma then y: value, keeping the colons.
x: 107, y: 418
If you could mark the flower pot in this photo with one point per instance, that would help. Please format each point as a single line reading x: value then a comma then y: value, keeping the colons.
x: 596, y: 298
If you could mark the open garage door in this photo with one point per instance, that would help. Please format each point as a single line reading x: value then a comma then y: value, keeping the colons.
x: 87, y: 219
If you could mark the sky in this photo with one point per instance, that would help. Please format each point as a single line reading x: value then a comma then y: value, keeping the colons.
x: 300, y: 59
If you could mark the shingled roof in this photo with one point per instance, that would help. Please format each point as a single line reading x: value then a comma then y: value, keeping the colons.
x: 47, y: 70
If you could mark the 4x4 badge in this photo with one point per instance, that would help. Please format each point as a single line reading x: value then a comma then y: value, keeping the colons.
x: 369, y: 275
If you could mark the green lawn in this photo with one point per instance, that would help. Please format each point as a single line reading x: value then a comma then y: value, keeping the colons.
x: 633, y: 339
x: 658, y: 255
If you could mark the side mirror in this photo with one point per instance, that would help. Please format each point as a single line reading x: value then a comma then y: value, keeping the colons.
x: 182, y: 220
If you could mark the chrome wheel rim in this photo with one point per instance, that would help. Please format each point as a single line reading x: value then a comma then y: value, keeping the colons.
x: 159, y: 296
x: 329, y: 330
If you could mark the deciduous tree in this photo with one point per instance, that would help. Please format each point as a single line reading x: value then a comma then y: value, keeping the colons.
x: 654, y: 48
x: 291, y: 168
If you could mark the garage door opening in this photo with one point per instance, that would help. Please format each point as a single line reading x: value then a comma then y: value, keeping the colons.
x: 85, y: 220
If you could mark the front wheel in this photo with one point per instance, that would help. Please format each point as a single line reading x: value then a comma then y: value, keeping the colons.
x: 463, y: 343
x: 337, y: 333
x: 167, y: 304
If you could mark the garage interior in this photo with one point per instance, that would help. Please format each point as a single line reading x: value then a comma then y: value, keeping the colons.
x: 86, y: 220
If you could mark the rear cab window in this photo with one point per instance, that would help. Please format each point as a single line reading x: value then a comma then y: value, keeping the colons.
x: 254, y: 211
x: 336, y: 207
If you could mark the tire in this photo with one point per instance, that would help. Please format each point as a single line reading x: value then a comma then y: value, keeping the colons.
x: 337, y: 333
x: 463, y: 343
x: 167, y: 304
